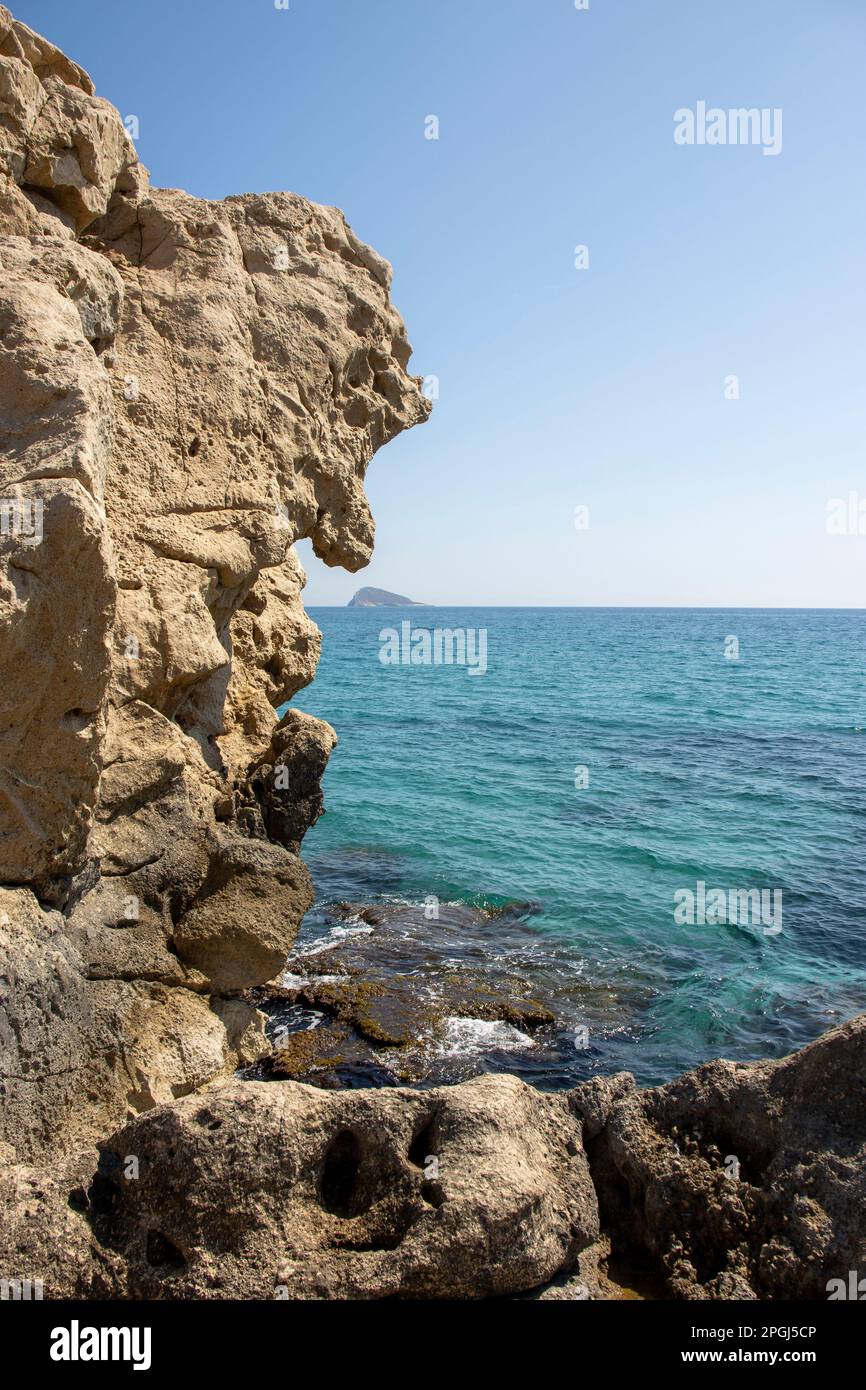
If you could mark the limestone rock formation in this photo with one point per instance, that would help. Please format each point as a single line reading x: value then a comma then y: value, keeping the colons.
x: 187, y: 388
x: 738, y: 1180
x: 279, y: 1190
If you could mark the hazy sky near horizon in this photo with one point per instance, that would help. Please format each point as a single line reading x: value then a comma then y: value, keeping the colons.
x: 604, y: 388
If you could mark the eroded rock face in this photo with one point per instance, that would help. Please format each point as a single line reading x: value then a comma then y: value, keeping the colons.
x: 57, y: 139
x: 279, y: 1190
x: 78, y: 1051
x: 186, y: 389
x: 739, y: 1181
x: 57, y: 589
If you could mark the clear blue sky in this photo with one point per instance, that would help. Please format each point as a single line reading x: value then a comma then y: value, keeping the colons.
x: 558, y: 387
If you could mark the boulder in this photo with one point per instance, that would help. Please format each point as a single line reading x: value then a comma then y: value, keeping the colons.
x: 739, y: 1180
x: 278, y: 1190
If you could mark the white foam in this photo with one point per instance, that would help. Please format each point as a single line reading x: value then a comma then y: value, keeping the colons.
x: 475, y: 1035
x: 336, y: 936
x: 283, y: 1031
x: 291, y: 981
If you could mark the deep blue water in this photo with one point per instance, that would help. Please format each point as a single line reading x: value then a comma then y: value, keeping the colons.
x: 747, y: 773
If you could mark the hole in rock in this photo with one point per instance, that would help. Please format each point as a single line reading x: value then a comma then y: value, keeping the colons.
x: 194, y: 447
x: 163, y: 1253
x: 340, y: 1187
x: 76, y: 719
x: 424, y: 1144
x: 105, y: 1202
x: 208, y: 1120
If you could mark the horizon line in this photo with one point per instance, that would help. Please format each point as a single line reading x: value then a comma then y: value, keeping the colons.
x: 611, y: 607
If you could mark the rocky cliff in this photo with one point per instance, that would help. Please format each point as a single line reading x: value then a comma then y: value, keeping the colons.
x: 187, y: 388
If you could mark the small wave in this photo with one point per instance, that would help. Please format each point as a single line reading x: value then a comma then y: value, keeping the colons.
x: 289, y: 980
x: 335, y: 937
x: 474, y: 1036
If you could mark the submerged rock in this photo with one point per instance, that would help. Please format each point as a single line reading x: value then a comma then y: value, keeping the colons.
x: 437, y: 996
x: 403, y: 993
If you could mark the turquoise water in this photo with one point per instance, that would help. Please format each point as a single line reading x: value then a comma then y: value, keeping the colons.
x: 747, y: 773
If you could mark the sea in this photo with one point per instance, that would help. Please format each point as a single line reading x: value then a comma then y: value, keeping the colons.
x: 660, y: 813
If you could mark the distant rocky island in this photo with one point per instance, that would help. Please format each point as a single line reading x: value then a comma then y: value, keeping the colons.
x: 382, y: 598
